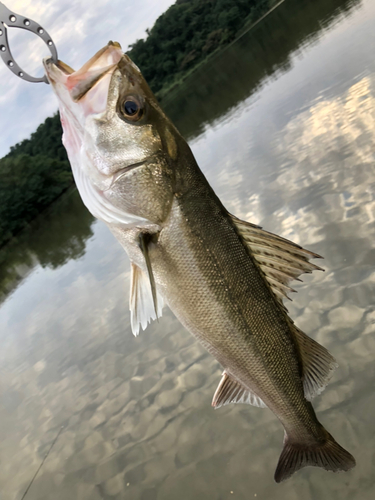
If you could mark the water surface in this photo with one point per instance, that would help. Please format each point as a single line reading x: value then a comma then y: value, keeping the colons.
x: 283, y: 125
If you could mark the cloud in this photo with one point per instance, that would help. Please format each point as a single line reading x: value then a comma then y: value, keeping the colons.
x: 79, y: 29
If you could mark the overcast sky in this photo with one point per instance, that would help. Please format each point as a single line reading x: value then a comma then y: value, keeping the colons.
x: 79, y: 28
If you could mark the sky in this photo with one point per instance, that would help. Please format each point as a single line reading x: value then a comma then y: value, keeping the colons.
x: 79, y: 28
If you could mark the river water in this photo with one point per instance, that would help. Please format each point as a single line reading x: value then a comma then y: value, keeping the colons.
x: 283, y: 125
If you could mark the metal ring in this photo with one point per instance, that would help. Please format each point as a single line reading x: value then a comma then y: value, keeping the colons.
x: 9, y: 19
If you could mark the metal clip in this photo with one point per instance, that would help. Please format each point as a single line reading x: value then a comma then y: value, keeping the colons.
x: 9, y: 19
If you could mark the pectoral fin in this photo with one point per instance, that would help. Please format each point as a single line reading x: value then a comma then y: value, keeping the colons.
x: 144, y: 241
x: 230, y: 390
x: 142, y: 304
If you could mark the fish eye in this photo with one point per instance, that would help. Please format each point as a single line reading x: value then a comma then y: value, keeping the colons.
x: 132, y: 109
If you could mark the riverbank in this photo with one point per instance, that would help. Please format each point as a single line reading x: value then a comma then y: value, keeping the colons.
x: 250, y: 22
x: 36, y: 171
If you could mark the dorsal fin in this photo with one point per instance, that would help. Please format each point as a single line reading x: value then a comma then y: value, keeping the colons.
x: 230, y: 390
x: 141, y: 303
x: 318, y: 364
x: 280, y: 260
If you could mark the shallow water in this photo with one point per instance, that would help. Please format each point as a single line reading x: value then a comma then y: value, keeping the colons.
x: 283, y: 125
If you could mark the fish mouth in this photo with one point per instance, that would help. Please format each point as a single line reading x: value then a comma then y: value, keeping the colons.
x: 67, y: 70
x: 78, y: 83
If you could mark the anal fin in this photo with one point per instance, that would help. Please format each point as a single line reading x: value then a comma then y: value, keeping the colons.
x: 230, y: 390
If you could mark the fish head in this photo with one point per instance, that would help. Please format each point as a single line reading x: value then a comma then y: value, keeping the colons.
x: 120, y: 144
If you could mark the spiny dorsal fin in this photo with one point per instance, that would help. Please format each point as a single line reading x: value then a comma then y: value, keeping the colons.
x: 142, y: 304
x: 281, y: 260
x: 231, y: 391
x: 317, y: 363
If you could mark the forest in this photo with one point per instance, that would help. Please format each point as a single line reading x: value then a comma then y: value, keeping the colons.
x: 36, y: 171
x: 187, y: 33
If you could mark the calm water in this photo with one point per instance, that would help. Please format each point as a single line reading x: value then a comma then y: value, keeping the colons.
x: 283, y: 125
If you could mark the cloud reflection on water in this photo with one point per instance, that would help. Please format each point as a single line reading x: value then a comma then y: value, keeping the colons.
x: 137, y: 415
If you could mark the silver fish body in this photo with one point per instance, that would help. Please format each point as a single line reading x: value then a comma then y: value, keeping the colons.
x: 223, y: 278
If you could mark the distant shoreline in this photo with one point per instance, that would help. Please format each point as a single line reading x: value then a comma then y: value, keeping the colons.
x: 36, y: 171
x: 189, y: 33
x: 161, y: 95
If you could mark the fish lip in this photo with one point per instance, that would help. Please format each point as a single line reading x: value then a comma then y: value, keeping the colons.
x: 57, y: 72
x: 49, y: 65
x: 64, y: 67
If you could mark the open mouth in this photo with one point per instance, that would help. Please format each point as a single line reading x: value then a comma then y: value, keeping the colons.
x: 78, y: 83
x: 67, y: 70
x: 88, y: 87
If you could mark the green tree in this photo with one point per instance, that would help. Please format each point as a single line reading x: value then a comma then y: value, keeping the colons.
x: 36, y: 170
x: 187, y: 32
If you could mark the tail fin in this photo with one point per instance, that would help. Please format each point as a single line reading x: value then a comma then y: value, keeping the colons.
x: 329, y: 455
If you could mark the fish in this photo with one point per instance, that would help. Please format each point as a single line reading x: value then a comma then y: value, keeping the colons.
x: 225, y: 279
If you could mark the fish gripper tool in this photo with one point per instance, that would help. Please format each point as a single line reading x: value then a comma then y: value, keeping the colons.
x: 9, y: 19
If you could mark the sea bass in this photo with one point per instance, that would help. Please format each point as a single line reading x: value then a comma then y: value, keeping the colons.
x: 224, y: 278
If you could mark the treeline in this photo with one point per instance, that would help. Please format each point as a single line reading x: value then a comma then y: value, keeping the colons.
x: 187, y: 33
x: 36, y: 171
x: 32, y: 175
